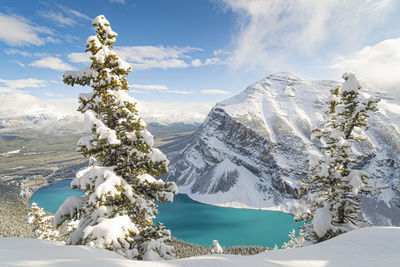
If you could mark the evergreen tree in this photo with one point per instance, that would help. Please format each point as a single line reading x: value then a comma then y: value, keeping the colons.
x: 216, y: 249
x: 334, y: 184
x: 42, y: 224
x: 294, y: 242
x: 118, y: 208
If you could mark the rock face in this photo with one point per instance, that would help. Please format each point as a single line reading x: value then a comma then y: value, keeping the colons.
x: 252, y: 149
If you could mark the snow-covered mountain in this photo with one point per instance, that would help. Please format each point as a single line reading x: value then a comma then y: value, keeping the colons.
x: 253, y: 148
x: 47, y: 122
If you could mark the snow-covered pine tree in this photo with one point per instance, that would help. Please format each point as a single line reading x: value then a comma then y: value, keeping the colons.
x: 118, y: 208
x: 333, y: 182
x: 294, y: 242
x: 216, y: 249
x: 42, y: 224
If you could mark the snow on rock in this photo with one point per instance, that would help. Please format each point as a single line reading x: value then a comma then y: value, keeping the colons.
x: 367, y: 247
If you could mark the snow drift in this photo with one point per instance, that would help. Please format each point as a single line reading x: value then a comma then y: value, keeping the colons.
x: 375, y: 246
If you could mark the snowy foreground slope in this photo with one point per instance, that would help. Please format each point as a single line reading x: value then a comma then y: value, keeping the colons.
x: 253, y: 148
x: 375, y: 246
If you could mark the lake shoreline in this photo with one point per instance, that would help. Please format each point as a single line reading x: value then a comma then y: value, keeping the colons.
x: 199, y: 223
x: 13, y: 225
x: 223, y: 205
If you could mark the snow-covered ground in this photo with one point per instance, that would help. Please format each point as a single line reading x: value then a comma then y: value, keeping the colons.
x: 374, y: 246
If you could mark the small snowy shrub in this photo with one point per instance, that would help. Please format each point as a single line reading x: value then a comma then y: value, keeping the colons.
x: 42, y: 224
x: 294, y: 242
x: 333, y: 185
x: 119, y: 207
x: 217, y: 249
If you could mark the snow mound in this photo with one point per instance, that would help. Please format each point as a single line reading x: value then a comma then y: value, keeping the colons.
x: 374, y: 246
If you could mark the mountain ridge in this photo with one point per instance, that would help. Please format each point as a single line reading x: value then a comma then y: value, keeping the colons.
x: 253, y: 148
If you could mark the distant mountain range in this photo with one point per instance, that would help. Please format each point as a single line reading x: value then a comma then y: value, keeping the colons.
x: 73, y: 122
x: 22, y: 112
x: 253, y: 148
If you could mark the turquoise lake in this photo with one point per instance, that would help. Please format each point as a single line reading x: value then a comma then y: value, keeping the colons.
x: 199, y: 223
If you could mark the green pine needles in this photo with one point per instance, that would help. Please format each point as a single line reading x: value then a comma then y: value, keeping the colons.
x: 118, y: 208
x: 334, y: 184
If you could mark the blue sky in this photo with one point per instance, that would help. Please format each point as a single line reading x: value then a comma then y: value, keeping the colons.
x: 198, y: 51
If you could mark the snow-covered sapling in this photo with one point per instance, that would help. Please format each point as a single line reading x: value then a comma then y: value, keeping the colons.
x: 334, y: 183
x: 42, y: 224
x: 216, y: 249
x: 119, y: 205
x: 294, y: 242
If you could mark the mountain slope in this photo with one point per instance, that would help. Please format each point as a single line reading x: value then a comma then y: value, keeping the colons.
x: 252, y: 149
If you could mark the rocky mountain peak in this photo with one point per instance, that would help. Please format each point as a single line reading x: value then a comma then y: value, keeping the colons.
x: 252, y: 149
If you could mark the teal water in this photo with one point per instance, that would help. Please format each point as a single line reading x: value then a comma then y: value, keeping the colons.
x: 199, y: 223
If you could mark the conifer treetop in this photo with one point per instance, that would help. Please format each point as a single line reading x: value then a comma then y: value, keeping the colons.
x: 351, y: 84
x: 105, y: 62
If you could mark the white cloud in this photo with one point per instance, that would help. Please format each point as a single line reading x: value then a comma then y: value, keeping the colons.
x: 19, y: 104
x: 274, y: 32
x: 378, y: 64
x: 53, y: 63
x: 79, y: 57
x: 17, y: 52
x: 154, y: 57
x: 160, y: 64
x: 60, y: 113
x: 212, y: 61
x: 117, y: 1
x: 51, y: 94
x: 157, y: 87
x: 209, y: 61
x: 14, y: 51
x: 140, y: 53
x: 64, y: 16
x: 182, y: 92
x: 24, y: 83
x: 19, y: 63
x: 75, y: 13
x: 197, y: 62
x: 58, y: 17
x: 165, y: 113
x: 17, y: 31
x: 215, y: 92
x: 150, y: 57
